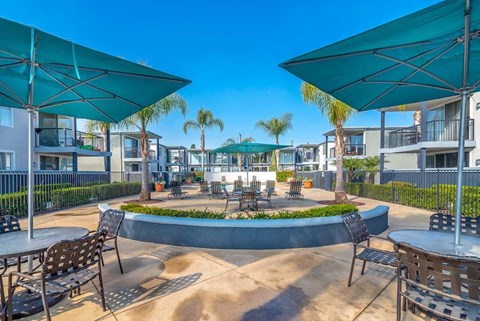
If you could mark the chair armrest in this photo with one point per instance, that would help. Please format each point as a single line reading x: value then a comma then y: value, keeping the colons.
x: 375, y: 249
x: 380, y: 238
x: 24, y: 275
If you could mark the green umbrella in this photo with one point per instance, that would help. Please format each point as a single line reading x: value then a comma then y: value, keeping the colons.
x: 41, y: 72
x: 432, y: 53
x: 247, y: 148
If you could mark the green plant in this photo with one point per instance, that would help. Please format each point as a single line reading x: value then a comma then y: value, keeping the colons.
x: 282, y: 176
x: 161, y: 182
x: 307, y: 179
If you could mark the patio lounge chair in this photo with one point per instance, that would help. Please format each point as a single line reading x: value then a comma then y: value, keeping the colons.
x: 176, y: 192
x: 446, y: 223
x: 65, y: 269
x: 229, y: 198
x: 237, y: 186
x: 268, y: 197
x: 257, y: 185
x: 216, y: 190
x: 111, y: 222
x: 249, y: 198
x: 203, y: 188
x: 444, y: 286
x: 359, y: 234
x: 295, y: 190
x: 270, y: 184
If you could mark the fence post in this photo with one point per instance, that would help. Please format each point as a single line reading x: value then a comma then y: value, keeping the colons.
x: 438, y: 189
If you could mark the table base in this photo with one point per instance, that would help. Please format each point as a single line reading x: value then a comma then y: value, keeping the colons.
x: 26, y: 303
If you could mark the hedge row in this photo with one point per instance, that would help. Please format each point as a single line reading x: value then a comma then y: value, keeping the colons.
x: 47, y: 187
x: 331, y: 210
x: 440, y: 197
x: 17, y: 203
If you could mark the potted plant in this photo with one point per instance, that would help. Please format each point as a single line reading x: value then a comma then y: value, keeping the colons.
x: 159, y: 186
x: 307, y: 183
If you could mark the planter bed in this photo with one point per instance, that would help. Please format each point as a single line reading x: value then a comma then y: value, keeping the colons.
x: 245, y: 234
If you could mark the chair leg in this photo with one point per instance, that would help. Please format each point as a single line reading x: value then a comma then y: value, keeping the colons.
x: 101, y: 259
x: 363, y: 267
x: 102, y: 290
x: 11, y: 290
x: 399, y: 299
x: 44, y: 301
x: 118, y: 256
x: 351, y: 271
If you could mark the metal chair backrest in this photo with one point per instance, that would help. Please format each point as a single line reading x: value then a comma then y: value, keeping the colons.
x: 176, y: 190
x: 446, y: 223
x: 225, y: 192
x: 174, y: 183
x: 71, y: 255
x: 204, y: 187
x: 295, y: 187
x: 110, y: 222
x: 9, y: 223
x: 270, y: 191
x: 257, y: 185
x: 240, y: 178
x: 254, y: 177
x: 216, y: 188
x: 224, y: 179
x: 237, y: 185
x: 249, y: 195
x: 453, y: 276
x: 356, y: 227
x: 270, y: 184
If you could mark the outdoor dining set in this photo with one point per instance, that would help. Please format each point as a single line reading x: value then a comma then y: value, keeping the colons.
x: 57, y: 261
x: 433, y: 275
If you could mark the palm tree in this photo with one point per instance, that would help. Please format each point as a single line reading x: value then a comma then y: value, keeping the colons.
x: 232, y: 140
x: 95, y: 126
x: 371, y: 164
x: 204, y: 120
x: 141, y: 119
x: 275, y: 127
x: 337, y: 113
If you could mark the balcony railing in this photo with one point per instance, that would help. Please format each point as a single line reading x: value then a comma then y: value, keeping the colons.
x: 436, y: 131
x: 64, y: 137
x: 132, y: 152
x: 350, y: 150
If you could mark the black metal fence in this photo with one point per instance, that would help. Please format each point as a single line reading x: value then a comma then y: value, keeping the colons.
x: 433, y: 190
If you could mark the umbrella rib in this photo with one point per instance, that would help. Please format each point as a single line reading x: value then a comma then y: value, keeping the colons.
x: 7, y: 96
x: 419, y: 69
x: 405, y: 83
x: 411, y: 75
x: 80, y: 100
x: 80, y: 96
x: 132, y: 74
x: 383, y: 70
x: 43, y: 103
x: 93, y: 86
x: 348, y: 54
x: 13, y: 64
x: 11, y: 54
x: 18, y: 99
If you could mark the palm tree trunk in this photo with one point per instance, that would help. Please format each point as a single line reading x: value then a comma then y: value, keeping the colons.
x: 277, y: 155
x: 202, y: 147
x: 340, y: 195
x: 145, y: 192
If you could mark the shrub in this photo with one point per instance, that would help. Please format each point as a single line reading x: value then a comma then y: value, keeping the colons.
x: 330, y: 210
x: 47, y: 187
x: 17, y: 203
x: 283, y: 175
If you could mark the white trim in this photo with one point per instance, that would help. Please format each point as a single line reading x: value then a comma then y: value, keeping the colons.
x: 13, y: 160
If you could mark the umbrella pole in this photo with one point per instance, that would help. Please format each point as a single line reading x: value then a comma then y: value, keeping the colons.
x: 30, y: 173
x: 463, y: 115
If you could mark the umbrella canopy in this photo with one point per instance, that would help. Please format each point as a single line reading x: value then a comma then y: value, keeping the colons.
x: 41, y: 72
x: 72, y: 80
x: 430, y: 54
x: 415, y: 58
x: 247, y: 148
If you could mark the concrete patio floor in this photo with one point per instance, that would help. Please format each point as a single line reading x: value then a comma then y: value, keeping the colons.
x: 163, y: 282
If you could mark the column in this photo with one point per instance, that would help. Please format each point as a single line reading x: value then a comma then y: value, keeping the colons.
x: 108, y: 159
x: 382, y: 145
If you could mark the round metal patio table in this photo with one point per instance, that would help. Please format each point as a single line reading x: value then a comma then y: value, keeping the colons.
x: 17, y: 244
x: 438, y: 242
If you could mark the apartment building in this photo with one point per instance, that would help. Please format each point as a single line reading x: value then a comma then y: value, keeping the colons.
x: 58, y: 143
x: 361, y: 142
x: 433, y: 135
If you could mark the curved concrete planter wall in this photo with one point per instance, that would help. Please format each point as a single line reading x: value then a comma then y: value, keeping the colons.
x: 245, y: 234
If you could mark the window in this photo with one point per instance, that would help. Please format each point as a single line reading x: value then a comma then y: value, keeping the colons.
x: 6, y: 161
x: 66, y: 164
x: 448, y: 160
x: 6, y: 116
x: 49, y: 163
x: 132, y: 167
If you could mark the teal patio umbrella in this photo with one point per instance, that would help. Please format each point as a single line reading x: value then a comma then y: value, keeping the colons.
x: 247, y: 148
x: 44, y: 73
x: 432, y: 53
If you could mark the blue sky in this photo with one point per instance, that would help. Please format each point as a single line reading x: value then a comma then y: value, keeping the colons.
x: 229, y: 49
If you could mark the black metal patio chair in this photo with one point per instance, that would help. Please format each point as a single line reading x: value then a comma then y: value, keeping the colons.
x: 359, y: 234
x: 442, y: 286
x: 237, y: 186
x: 216, y: 190
x: 295, y: 190
x: 257, y: 185
x: 176, y: 192
x: 204, y: 190
x: 67, y: 267
x: 249, y: 198
x: 270, y: 184
x: 110, y: 222
x: 229, y: 198
x: 446, y: 223
x: 267, y: 197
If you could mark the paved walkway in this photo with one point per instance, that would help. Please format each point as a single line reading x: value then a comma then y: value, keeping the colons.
x: 165, y: 282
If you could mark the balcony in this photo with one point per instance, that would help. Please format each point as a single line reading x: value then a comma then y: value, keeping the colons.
x: 436, y: 131
x: 136, y: 152
x: 350, y: 150
x: 63, y: 140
